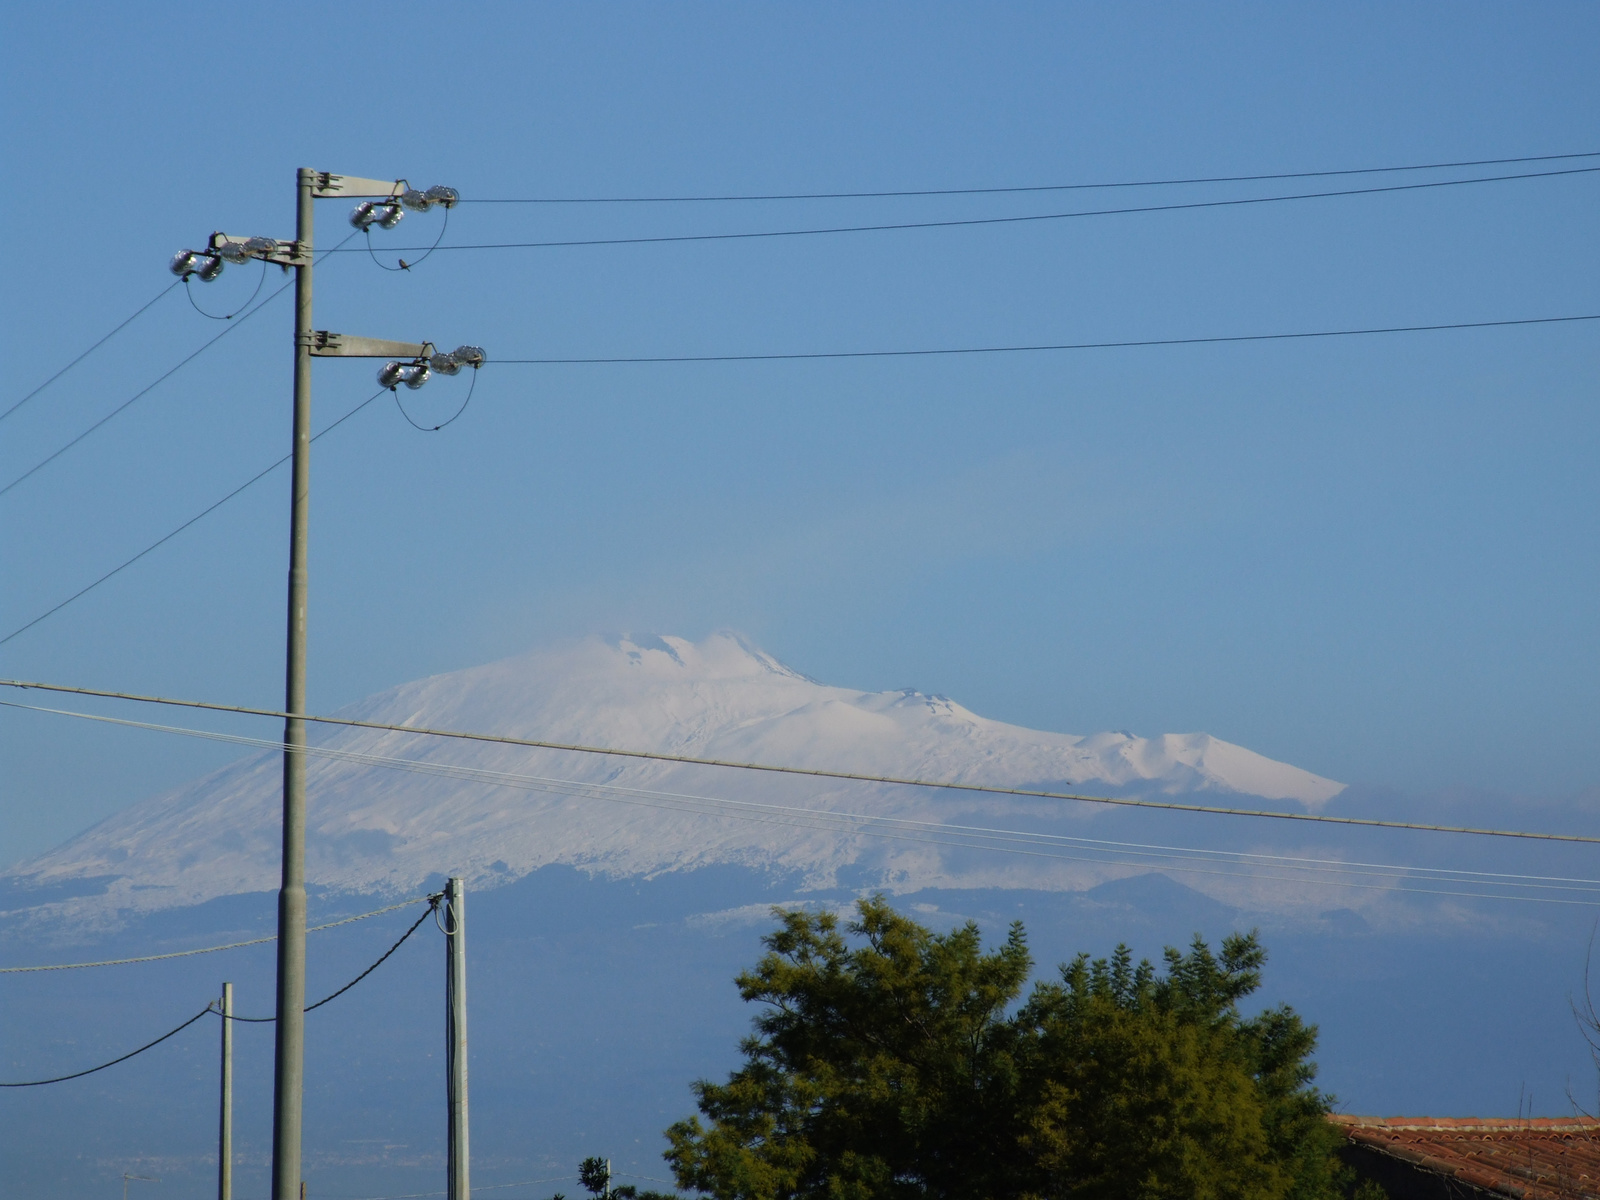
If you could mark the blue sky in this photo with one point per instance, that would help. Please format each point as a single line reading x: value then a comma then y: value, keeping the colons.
x: 1374, y: 558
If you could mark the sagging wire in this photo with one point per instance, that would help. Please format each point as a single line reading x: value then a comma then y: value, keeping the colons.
x: 479, y: 1187
x: 132, y: 1053
x: 119, y: 962
x: 195, y: 304
x: 435, y: 428
x: 404, y: 265
x: 433, y: 904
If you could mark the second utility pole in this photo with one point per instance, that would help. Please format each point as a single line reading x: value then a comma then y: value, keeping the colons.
x: 225, y: 1123
x: 290, y: 1046
x: 458, y: 1158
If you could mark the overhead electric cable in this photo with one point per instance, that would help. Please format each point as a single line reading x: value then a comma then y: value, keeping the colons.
x: 477, y: 1187
x: 1045, y: 187
x: 118, y: 962
x: 212, y: 1007
x: 808, y: 772
x: 1033, y: 844
x: 164, y: 539
x: 1015, y: 220
x: 899, y: 828
x: 1044, y: 346
x: 131, y: 1054
x: 845, y: 354
x: 433, y: 905
x: 137, y: 313
x: 210, y: 316
x: 142, y: 392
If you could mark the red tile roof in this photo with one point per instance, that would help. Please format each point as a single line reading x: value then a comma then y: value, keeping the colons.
x: 1537, y: 1158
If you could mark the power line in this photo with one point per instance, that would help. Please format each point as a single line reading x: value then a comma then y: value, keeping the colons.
x: 1026, y: 349
x: 161, y: 541
x: 574, y: 787
x: 137, y: 313
x: 1046, y: 187
x: 477, y: 1187
x: 928, y: 832
x: 839, y: 354
x: 118, y: 962
x: 142, y: 392
x: 50, y: 458
x: 969, y: 221
x: 432, y: 903
x: 808, y: 772
x: 132, y: 1053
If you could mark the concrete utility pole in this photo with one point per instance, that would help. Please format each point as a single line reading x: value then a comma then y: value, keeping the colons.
x: 391, y: 198
x: 225, y: 1125
x: 455, y: 926
x: 289, y: 1045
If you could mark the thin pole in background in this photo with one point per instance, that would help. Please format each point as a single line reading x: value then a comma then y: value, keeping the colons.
x: 455, y: 927
x: 225, y: 1123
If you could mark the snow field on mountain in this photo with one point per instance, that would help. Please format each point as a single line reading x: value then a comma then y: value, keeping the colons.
x: 376, y: 829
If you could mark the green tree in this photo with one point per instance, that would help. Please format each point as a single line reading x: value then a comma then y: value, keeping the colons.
x: 1148, y: 1085
x: 900, y: 1066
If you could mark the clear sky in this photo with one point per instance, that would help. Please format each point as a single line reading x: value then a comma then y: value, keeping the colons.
x: 1375, y: 558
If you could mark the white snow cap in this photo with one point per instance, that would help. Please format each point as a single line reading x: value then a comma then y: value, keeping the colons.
x: 376, y: 829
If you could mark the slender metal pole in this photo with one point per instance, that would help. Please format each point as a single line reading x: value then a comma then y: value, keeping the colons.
x: 460, y: 1187
x: 289, y: 1063
x: 225, y: 1125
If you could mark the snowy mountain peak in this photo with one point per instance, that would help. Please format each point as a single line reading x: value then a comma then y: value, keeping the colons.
x: 723, y: 655
x: 390, y: 810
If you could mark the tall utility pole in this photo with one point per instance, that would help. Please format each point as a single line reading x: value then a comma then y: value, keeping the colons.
x: 385, y: 210
x: 225, y: 1124
x: 455, y: 926
x: 289, y: 1048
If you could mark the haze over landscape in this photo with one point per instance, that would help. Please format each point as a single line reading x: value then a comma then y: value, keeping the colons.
x: 622, y: 894
x: 376, y: 830
x: 976, y: 394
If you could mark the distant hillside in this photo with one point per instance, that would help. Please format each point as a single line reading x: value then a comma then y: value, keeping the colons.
x: 375, y: 828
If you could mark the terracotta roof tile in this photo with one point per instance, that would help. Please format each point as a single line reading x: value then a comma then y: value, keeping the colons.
x: 1538, y: 1158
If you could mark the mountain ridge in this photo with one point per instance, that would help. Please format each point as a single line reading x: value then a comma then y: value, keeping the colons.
x: 380, y: 830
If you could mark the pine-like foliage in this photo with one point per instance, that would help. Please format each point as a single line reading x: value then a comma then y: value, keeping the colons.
x: 898, y: 1066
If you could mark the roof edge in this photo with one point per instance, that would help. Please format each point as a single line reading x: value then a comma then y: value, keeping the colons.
x: 1496, y: 1123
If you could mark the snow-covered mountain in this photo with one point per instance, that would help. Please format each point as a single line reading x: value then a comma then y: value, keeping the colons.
x: 385, y: 828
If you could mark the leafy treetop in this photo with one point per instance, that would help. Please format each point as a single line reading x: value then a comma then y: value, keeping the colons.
x: 900, y: 1066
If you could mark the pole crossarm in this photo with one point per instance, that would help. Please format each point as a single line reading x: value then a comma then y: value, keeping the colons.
x: 391, y: 196
x: 328, y: 186
x: 325, y: 344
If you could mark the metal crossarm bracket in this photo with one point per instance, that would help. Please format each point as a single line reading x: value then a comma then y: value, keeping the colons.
x: 342, y: 345
x: 350, y: 186
x: 285, y: 254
